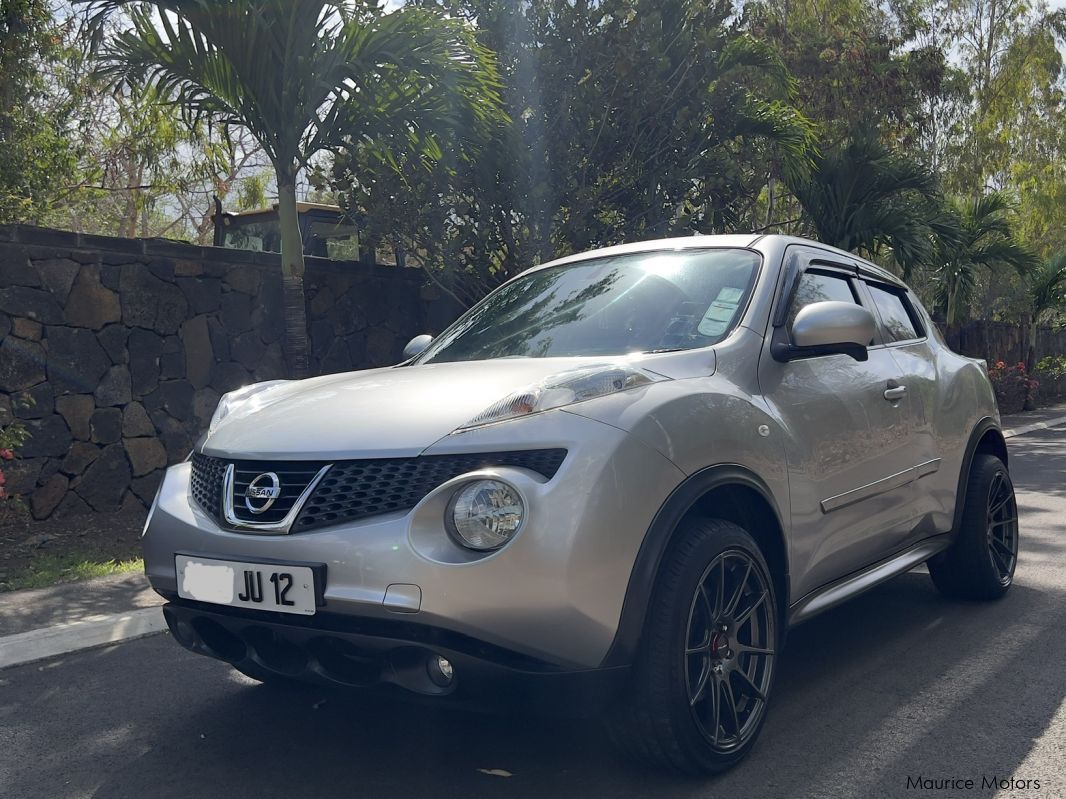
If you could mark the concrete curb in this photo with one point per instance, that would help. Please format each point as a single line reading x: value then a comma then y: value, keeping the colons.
x: 1029, y: 428
x: 75, y: 636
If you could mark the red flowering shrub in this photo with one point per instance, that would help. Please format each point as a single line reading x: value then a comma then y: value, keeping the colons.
x: 1012, y: 385
x: 11, y: 438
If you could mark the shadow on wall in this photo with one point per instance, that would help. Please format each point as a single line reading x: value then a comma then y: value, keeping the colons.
x: 114, y: 352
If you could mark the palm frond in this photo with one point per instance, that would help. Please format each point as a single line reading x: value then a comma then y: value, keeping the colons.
x: 306, y: 75
x: 782, y: 125
x: 865, y: 197
x: 747, y: 51
x: 1047, y: 287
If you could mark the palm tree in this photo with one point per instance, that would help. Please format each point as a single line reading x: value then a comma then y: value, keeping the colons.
x: 982, y: 239
x: 305, y: 76
x: 864, y: 197
x: 1047, y: 296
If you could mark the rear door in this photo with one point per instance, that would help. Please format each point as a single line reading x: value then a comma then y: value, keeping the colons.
x: 848, y: 444
x: 905, y: 337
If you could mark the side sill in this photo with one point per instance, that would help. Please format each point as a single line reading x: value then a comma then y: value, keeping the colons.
x: 855, y: 584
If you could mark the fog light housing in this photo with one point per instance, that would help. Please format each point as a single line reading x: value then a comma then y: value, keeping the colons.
x: 485, y: 514
x: 440, y: 671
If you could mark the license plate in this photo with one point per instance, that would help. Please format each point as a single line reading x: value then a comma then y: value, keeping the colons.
x: 282, y: 588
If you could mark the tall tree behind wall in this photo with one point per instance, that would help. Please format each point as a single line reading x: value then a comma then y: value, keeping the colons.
x: 630, y: 119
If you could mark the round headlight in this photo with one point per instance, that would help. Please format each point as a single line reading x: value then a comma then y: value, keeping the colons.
x: 485, y: 514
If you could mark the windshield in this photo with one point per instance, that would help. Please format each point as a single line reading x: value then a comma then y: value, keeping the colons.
x: 640, y: 302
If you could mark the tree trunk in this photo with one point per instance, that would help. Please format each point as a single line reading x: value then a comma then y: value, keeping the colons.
x: 292, y: 278
x: 1030, y: 363
x: 951, y: 307
x: 1030, y: 352
x: 769, y: 202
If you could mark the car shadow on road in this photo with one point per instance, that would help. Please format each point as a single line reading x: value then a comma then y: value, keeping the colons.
x: 897, y: 683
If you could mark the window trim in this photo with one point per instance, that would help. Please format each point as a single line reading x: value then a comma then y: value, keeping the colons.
x: 903, y: 294
x: 825, y: 271
x: 798, y: 260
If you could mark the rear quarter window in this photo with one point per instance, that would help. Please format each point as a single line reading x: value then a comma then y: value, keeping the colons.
x: 899, y: 320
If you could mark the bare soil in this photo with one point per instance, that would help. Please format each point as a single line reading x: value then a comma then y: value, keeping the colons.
x: 97, y: 536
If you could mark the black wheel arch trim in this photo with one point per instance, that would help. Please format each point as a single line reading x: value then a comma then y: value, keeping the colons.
x: 980, y: 429
x: 657, y: 540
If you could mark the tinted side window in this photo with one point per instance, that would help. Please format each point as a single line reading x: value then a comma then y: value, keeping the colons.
x: 897, y: 318
x: 818, y: 287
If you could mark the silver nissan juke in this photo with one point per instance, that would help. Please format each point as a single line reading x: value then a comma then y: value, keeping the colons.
x: 610, y: 486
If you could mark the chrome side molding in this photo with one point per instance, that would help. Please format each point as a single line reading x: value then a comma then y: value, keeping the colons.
x: 897, y: 480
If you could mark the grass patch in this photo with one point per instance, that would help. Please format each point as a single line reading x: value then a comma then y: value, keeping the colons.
x: 68, y: 567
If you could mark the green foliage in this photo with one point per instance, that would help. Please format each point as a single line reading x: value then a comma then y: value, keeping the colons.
x: 479, y: 137
x: 1047, y: 289
x: 855, y: 63
x: 305, y: 76
x: 36, y: 158
x: 1014, y: 136
x: 629, y: 119
x: 982, y: 240
x: 1051, y: 372
x: 864, y: 196
x: 1053, y: 366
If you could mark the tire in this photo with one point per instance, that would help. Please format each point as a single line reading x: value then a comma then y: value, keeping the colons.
x: 701, y: 647
x: 981, y: 561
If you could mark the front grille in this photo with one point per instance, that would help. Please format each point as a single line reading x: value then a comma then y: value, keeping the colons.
x: 206, y: 483
x: 352, y: 490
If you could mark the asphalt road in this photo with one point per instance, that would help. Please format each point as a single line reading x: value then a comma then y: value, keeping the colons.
x: 898, y: 684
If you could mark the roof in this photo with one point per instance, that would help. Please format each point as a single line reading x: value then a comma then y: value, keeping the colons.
x: 741, y: 240
x: 678, y: 243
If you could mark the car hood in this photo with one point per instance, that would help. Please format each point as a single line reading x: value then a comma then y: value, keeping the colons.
x: 390, y: 412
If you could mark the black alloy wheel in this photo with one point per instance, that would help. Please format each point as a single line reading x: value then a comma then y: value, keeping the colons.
x: 730, y: 650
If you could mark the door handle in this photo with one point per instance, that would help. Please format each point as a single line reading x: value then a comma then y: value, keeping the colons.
x: 895, y: 393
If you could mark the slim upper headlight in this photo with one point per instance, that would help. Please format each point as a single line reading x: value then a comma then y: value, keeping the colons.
x: 565, y: 388
x: 234, y: 399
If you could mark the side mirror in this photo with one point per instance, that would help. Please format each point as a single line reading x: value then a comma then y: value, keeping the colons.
x: 828, y: 328
x: 416, y: 346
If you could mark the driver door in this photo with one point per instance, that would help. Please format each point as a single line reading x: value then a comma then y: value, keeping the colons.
x: 848, y: 443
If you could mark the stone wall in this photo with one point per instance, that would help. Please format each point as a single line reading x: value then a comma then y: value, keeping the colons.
x: 114, y: 352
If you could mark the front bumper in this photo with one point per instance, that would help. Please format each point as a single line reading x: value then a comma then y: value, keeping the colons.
x: 390, y: 657
x: 553, y: 595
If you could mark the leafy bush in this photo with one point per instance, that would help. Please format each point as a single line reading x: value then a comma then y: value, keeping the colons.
x: 1052, y: 373
x: 1012, y: 385
x: 1052, y: 366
